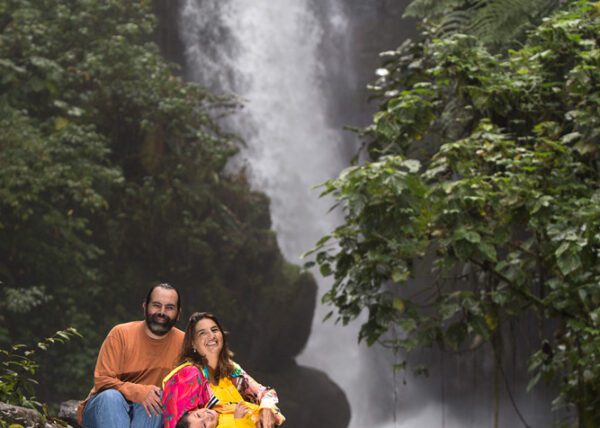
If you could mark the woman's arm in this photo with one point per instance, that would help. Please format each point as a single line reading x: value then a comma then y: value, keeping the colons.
x: 264, y: 396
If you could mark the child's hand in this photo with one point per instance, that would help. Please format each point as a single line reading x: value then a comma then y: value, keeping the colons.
x: 241, y: 410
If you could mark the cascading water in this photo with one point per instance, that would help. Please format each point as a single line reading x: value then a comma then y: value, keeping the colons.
x: 279, y: 56
x: 268, y: 54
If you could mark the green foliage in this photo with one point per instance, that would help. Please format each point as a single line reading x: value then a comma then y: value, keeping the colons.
x: 484, y: 167
x: 17, y: 368
x: 494, y: 22
x: 112, y: 176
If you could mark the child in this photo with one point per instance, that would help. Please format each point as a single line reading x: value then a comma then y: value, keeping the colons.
x: 207, y: 418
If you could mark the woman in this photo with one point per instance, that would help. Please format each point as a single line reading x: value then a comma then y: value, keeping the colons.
x: 208, y: 377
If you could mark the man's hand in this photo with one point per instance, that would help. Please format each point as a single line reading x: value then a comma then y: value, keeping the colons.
x: 152, y: 403
x: 267, y: 418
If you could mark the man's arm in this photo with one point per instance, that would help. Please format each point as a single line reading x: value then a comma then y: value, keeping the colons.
x: 108, y: 367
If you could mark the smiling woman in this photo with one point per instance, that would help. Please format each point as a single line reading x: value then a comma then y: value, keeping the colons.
x: 208, y: 342
x: 208, y: 378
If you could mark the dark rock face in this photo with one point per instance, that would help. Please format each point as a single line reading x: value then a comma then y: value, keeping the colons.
x: 166, y: 33
x: 308, y: 397
x: 273, y: 335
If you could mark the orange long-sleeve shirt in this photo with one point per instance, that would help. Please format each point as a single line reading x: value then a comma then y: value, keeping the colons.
x: 130, y: 361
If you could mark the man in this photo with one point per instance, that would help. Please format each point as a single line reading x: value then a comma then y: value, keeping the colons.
x: 132, y: 362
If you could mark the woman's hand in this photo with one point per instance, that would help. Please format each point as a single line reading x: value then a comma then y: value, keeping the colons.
x: 267, y: 418
x: 241, y: 410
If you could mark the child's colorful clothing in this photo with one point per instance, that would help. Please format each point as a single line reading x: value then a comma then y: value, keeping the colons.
x: 187, y: 388
x: 228, y: 397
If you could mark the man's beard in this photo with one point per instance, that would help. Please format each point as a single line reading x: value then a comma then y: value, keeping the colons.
x: 160, y: 329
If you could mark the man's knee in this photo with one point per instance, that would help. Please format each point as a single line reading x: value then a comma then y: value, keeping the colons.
x: 106, y: 409
x: 110, y: 398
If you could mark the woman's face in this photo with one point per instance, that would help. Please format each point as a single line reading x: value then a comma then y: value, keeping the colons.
x: 202, y: 418
x: 208, y: 339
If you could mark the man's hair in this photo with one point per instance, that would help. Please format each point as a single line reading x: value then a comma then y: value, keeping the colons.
x: 166, y: 286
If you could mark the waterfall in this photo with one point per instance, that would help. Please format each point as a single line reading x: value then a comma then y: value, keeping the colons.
x: 268, y: 53
x: 290, y: 63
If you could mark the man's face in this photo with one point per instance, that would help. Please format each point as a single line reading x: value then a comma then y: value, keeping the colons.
x: 161, y: 311
x: 203, y: 418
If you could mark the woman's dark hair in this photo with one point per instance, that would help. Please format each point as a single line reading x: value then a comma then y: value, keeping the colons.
x: 224, y: 365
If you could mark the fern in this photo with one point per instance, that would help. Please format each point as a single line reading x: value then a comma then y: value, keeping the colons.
x: 494, y: 22
x: 433, y: 9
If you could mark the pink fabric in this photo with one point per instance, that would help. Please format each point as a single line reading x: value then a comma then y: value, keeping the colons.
x: 184, y: 391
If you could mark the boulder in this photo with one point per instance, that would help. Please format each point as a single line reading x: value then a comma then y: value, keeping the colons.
x: 308, y: 397
x: 27, y: 418
x: 68, y: 412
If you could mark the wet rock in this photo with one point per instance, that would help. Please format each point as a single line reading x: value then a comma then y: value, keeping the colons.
x: 27, y: 418
x: 308, y: 397
x: 68, y: 412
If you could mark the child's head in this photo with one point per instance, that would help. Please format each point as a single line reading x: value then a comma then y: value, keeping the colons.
x: 199, y: 418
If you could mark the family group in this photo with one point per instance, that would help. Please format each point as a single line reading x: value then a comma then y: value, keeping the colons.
x: 150, y: 374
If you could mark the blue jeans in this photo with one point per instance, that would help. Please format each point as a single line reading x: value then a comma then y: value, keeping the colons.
x: 109, y: 409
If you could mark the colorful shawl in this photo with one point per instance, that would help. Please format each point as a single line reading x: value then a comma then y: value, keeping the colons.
x: 184, y: 389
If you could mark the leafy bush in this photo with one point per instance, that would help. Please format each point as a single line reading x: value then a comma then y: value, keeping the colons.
x: 487, y: 165
x: 18, y: 368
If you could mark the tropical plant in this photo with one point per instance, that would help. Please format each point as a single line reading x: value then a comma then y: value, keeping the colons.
x: 485, y: 168
x: 18, y: 368
x: 494, y: 22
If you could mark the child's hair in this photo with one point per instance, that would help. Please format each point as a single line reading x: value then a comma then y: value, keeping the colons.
x: 184, y: 421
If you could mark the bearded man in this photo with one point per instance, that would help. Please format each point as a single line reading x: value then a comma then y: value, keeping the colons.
x: 132, y: 362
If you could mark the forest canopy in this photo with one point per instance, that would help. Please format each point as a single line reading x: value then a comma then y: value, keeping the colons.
x: 482, y: 165
x: 112, y: 175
